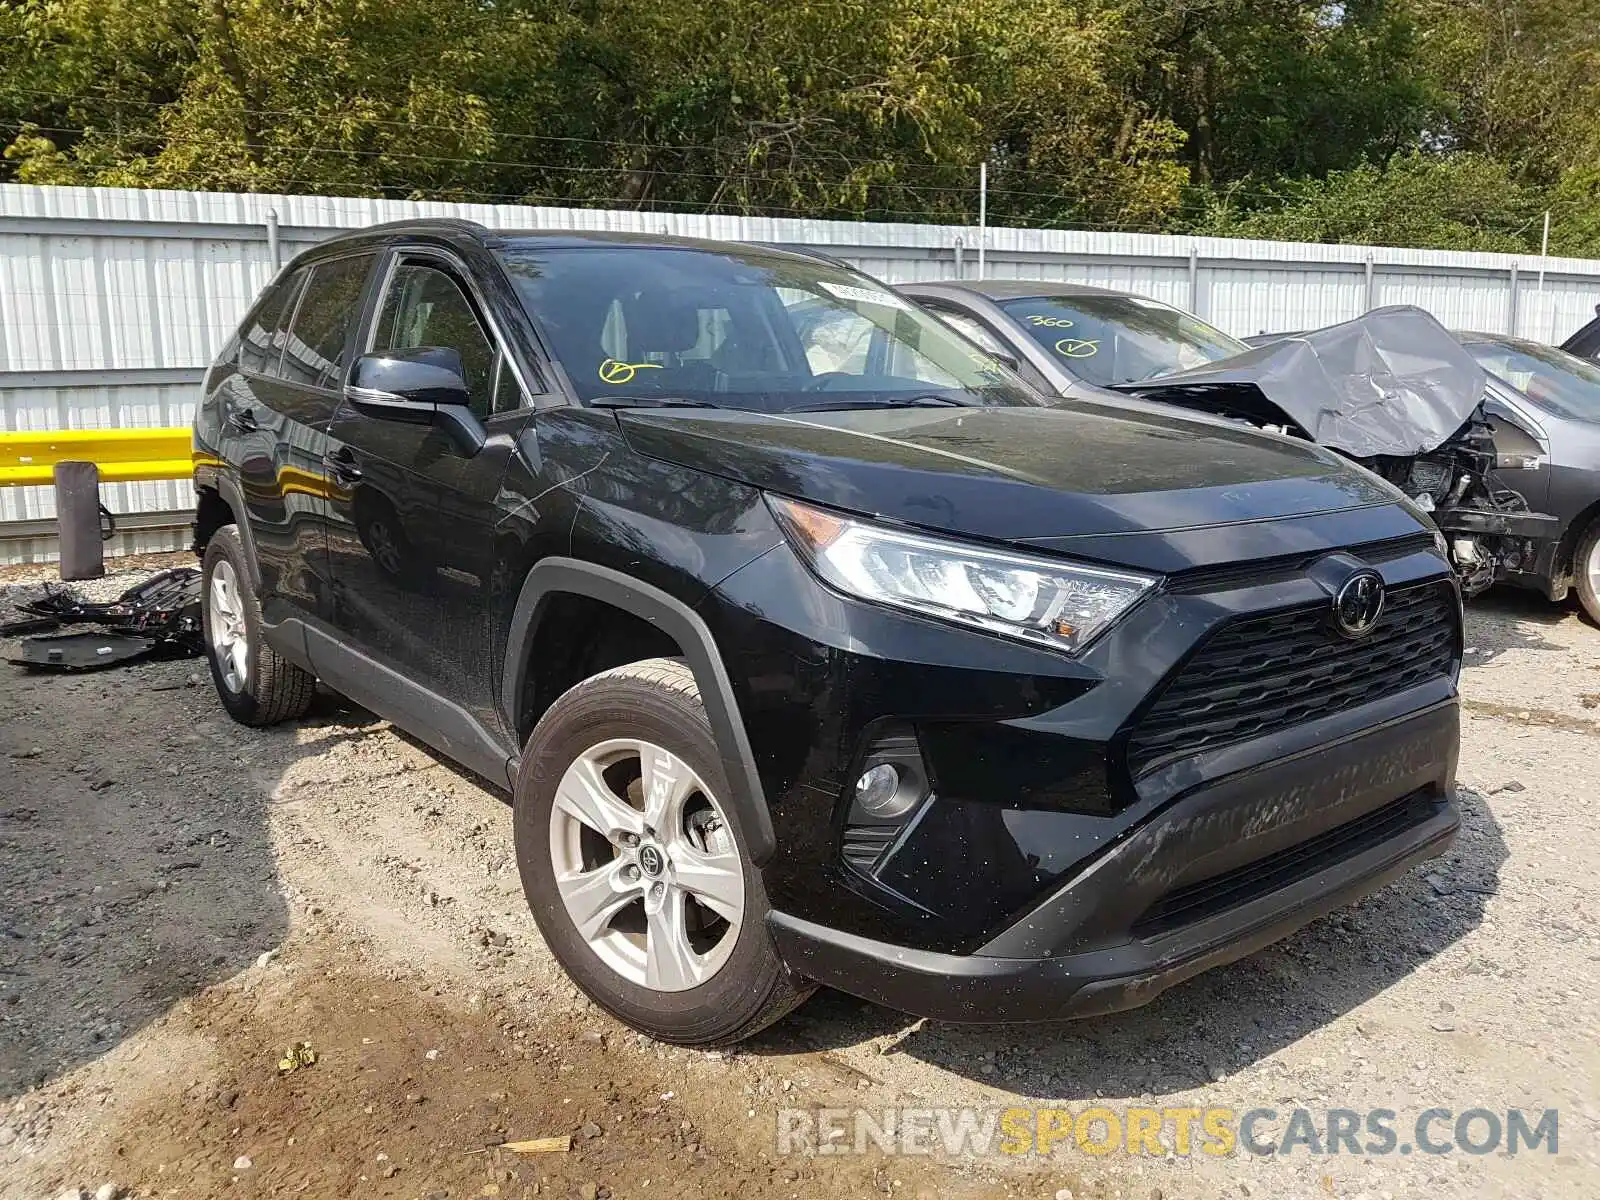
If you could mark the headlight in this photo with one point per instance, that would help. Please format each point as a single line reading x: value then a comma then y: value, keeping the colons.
x: 1061, y: 605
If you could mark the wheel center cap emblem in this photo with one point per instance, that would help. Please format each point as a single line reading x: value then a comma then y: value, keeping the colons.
x: 1358, y: 604
x: 651, y: 861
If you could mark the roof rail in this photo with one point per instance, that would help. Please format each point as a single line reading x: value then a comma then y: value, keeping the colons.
x: 804, y: 251
x: 460, y: 224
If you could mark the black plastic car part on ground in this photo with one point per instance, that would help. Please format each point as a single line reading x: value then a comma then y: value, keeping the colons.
x: 1392, y: 390
x: 160, y: 616
x: 814, y: 646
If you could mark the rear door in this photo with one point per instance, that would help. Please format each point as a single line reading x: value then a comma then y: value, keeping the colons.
x: 292, y: 356
x: 412, y: 520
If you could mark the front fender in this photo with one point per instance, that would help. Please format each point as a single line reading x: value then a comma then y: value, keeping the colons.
x: 569, y: 576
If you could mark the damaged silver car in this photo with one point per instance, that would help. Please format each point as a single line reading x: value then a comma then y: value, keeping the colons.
x: 1393, y: 390
x: 1397, y: 392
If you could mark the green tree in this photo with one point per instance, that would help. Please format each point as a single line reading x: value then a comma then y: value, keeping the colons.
x: 1421, y: 122
x: 1292, y: 87
x: 1457, y: 202
x: 812, y: 107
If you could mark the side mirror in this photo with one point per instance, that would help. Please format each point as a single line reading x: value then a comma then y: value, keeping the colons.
x: 423, y: 386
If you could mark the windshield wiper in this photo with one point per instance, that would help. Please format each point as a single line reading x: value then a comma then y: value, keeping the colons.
x: 844, y: 404
x: 650, y: 402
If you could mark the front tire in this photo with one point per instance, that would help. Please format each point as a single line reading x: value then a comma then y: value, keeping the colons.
x: 1586, y: 570
x: 255, y: 685
x: 634, y: 866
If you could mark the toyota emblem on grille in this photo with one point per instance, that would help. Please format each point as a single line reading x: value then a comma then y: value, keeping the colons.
x: 1358, y: 604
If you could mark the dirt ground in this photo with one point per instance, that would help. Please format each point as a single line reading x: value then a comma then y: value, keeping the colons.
x: 182, y: 900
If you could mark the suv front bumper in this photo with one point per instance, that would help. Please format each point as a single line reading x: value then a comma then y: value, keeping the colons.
x: 1215, y: 876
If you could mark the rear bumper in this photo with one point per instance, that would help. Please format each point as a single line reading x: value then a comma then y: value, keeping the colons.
x: 1217, y: 875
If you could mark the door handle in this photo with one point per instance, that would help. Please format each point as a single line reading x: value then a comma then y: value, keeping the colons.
x: 243, y: 419
x: 341, y: 464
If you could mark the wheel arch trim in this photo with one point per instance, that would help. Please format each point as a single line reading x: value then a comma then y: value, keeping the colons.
x: 227, y: 487
x: 559, y: 575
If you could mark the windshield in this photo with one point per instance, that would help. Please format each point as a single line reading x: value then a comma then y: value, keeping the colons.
x: 1551, y: 378
x: 744, y: 328
x: 1109, y: 340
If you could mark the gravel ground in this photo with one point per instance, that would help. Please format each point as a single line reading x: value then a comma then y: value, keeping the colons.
x: 183, y: 899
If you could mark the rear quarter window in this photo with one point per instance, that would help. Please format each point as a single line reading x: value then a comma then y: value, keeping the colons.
x: 259, y: 340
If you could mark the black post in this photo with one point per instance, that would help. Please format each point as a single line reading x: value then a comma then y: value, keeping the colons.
x: 78, y: 520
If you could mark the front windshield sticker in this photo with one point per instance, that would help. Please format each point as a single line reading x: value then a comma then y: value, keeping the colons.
x: 1108, y: 339
x: 1066, y: 347
x: 845, y: 291
x: 614, y: 372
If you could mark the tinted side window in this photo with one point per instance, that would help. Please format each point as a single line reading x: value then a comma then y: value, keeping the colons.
x: 971, y: 328
x: 314, y: 353
x: 294, y: 289
x: 424, y: 306
x: 258, y: 351
x: 1586, y: 342
x: 507, y: 391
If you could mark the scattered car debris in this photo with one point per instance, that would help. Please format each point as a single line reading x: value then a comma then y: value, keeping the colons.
x: 544, y: 1145
x: 159, y: 616
x: 296, y: 1057
x: 28, y: 625
x: 81, y: 651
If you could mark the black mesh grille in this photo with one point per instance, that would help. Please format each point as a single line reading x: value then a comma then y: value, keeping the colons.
x: 1262, y: 674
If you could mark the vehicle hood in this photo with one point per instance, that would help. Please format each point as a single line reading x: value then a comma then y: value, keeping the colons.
x: 1011, y: 473
x: 1392, y: 382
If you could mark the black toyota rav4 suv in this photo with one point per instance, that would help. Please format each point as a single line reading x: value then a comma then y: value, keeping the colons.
x: 814, y: 647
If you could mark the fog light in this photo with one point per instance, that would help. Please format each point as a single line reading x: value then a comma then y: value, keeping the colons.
x: 878, y: 792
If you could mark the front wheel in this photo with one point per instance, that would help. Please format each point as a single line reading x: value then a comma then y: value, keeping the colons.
x: 1586, y: 570
x: 635, y: 872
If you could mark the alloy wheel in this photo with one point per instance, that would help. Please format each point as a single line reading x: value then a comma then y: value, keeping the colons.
x: 384, y: 547
x: 646, y: 865
x: 230, y: 641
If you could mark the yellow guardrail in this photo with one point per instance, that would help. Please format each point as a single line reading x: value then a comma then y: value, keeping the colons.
x: 123, y: 455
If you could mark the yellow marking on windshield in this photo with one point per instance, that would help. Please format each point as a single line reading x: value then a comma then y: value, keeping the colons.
x: 614, y: 372
x: 1043, y: 322
x: 1076, y: 348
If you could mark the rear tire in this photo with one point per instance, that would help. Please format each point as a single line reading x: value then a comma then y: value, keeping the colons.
x: 674, y: 939
x: 255, y: 685
x: 1586, y: 571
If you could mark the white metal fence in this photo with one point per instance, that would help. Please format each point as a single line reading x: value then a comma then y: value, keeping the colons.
x: 112, y: 301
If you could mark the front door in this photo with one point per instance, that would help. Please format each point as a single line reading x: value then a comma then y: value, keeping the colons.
x: 411, y: 522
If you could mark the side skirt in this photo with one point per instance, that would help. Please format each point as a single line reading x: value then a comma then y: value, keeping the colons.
x: 353, y: 673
